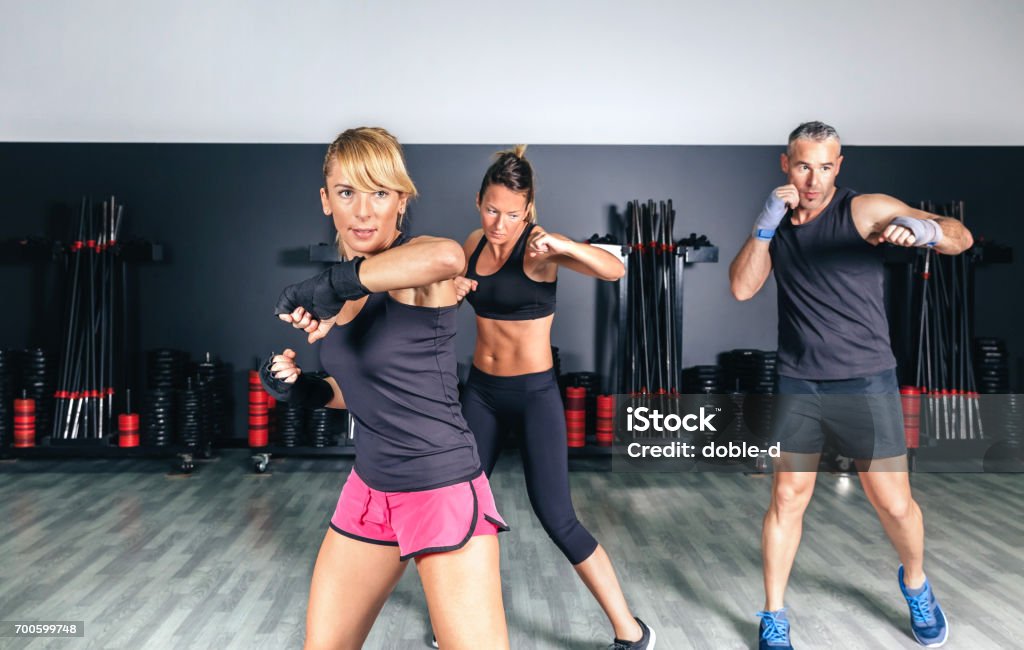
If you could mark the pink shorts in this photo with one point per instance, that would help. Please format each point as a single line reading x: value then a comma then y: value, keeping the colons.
x: 426, y: 521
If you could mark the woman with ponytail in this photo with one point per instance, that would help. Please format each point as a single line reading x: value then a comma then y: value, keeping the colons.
x: 510, y: 280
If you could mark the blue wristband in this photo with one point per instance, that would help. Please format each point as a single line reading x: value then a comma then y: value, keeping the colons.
x: 764, y: 234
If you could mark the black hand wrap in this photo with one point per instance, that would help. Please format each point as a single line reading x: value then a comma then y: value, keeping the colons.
x: 336, y: 286
x: 310, y: 392
x: 324, y: 295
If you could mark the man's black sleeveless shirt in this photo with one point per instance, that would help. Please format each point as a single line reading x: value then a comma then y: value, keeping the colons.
x: 832, y: 322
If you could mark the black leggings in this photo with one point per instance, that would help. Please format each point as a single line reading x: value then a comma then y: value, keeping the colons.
x: 532, y: 405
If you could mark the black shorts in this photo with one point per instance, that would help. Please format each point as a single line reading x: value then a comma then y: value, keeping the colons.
x: 864, y: 415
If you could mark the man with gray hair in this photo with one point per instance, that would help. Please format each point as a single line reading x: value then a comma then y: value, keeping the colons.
x: 835, y: 363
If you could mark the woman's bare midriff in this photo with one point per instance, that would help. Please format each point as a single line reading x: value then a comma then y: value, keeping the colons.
x: 506, y: 348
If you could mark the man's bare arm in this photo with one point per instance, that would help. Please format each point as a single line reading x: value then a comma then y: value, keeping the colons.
x: 888, y: 219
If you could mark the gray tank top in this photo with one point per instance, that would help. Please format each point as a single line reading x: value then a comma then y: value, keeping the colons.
x: 832, y: 322
x: 395, y: 365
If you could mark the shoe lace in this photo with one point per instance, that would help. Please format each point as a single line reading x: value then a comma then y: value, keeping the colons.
x: 775, y: 629
x: 920, y: 608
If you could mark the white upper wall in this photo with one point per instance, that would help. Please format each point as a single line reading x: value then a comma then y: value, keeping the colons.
x: 914, y: 72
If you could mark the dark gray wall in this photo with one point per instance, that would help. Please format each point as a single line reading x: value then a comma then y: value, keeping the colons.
x: 235, y: 220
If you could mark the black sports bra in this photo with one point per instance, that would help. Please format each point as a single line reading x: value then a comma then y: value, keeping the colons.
x: 508, y: 293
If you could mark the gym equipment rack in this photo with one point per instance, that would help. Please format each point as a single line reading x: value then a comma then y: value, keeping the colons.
x: 117, y: 256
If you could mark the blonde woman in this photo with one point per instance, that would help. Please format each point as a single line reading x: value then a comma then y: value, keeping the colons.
x: 386, y: 316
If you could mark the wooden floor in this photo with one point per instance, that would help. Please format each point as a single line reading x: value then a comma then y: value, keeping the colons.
x: 222, y: 558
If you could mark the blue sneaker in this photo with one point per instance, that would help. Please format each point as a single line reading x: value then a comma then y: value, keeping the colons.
x: 926, y: 618
x: 774, y: 631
